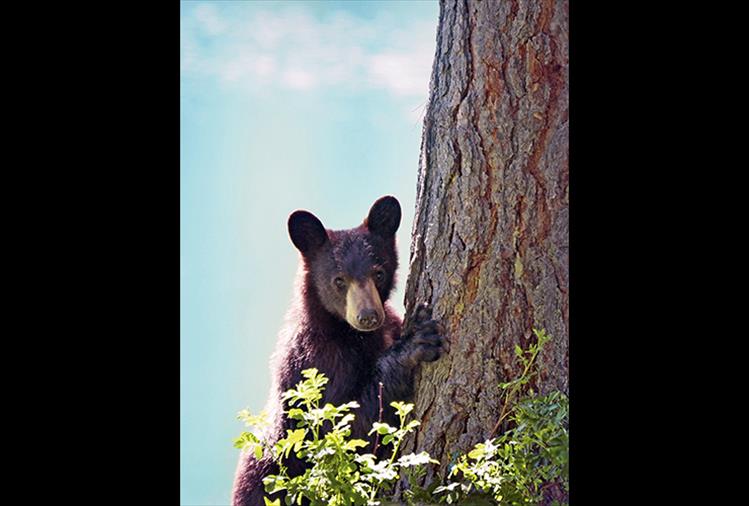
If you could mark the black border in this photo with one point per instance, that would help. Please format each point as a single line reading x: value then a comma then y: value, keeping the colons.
x: 112, y: 380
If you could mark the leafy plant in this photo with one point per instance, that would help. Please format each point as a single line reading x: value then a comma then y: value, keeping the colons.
x: 336, y: 473
x: 249, y: 440
x: 516, y: 467
x: 526, y: 464
x: 512, y: 389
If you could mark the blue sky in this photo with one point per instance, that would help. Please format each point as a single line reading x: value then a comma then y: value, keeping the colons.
x: 283, y: 106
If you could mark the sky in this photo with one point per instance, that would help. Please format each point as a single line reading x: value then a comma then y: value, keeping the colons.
x: 283, y: 106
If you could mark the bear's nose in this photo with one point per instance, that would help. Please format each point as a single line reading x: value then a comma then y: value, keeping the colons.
x: 368, y: 318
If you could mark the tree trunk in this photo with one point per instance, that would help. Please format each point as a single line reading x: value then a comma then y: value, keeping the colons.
x: 490, y: 238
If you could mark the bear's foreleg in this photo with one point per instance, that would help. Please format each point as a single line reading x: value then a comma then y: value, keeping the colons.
x: 421, y: 342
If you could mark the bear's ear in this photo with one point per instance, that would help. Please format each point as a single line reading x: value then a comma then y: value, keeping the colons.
x: 384, y: 216
x: 306, y: 231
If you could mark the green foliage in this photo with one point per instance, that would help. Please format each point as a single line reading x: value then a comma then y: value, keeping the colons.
x: 514, y: 468
x: 248, y: 440
x: 512, y: 389
x: 337, y: 474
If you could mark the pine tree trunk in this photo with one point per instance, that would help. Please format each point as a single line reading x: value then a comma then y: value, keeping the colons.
x: 490, y: 238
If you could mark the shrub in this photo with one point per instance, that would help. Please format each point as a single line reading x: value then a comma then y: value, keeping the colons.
x: 527, y: 464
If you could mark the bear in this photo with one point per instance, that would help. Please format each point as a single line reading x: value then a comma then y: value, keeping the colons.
x: 341, y: 324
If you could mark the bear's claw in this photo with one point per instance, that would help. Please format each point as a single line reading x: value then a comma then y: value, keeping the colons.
x: 425, y: 342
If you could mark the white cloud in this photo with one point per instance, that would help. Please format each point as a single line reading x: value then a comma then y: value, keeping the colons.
x: 402, y: 73
x: 258, y: 67
x: 291, y: 48
x: 298, y: 79
x: 209, y: 19
x: 264, y: 66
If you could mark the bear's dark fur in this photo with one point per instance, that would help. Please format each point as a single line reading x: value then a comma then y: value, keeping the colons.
x: 339, y: 323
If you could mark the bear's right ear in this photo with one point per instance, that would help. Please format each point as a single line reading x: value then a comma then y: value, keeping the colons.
x: 306, y: 231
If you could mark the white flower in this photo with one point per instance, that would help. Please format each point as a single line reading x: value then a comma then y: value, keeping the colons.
x: 416, y: 460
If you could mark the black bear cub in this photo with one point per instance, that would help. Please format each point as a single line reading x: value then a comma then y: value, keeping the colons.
x: 340, y: 324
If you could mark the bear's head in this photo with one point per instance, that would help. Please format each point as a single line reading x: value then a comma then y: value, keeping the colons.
x: 353, y: 271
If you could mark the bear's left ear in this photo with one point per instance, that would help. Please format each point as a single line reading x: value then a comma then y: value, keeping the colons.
x: 384, y: 216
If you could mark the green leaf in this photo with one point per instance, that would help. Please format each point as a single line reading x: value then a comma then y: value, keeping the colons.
x: 309, y: 373
x: 274, y: 483
x: 476, y: 453
x: 353, y: 444
x: 245, y: 439
x: 382, y: 428
x: 402, y: 408
x: 518, y: 350
x: 277, y: 502
x: 296, y: 414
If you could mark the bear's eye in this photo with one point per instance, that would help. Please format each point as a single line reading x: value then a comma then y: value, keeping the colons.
x: 379, y: 275
x: 339, y: 282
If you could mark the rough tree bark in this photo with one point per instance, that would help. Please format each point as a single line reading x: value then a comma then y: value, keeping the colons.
x: 490, y: 238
